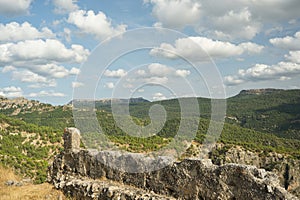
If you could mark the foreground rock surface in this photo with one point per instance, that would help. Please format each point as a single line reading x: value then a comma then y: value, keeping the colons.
x: 286, y: 167
x: 82, y: 175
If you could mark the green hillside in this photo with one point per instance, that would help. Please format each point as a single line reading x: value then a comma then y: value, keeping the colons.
x: 259, y: 120
x: 272, y: 111
x: 28, y: 147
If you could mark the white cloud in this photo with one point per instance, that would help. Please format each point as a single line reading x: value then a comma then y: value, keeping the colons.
x: 251, y: 48
x: 182, y: 73
x: 192, y: 48
x: 11, y: 92
x: 65, y: 6
x: 13, y: 32
x: 236, y: 25
x: 77, y: 84
x: 96, y: 24
x: 30, y: 77
x: 46, y: 94
x: 175, y: 14
x: 74, y: 71
x: 294, y: 56
x: 159, y: 70
x: 141, y: 90
x: 109, y: 85
x: 156, y: 80
x: 8, y: 69
x: 128, y: 85
x: 115, y: 73
x: 67, y: 34
x: 158, y: 96
x: 41, y: 52
x: 14, y: 7
x: 53, y: 70
x: 141, y: 72
x: 288, y: 42
x: 41, y: 58
x: 228, y: 20
x: 260, y: 72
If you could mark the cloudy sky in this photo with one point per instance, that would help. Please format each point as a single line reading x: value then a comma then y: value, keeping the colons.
x: 210, y: 45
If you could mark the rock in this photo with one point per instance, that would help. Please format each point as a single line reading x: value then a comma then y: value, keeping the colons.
x: 10, y: 182
x: 85, y: 175
x: 13, y: 183
x: 285, y: 167
x: 71, y: 139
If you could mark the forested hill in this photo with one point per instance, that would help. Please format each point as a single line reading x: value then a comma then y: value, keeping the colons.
x: 30, y: 131
x: 267, y: 110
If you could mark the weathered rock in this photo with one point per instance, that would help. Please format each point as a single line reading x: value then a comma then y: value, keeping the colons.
x: 83, y: 175
x: 71, y: 139
x: 286, y: 167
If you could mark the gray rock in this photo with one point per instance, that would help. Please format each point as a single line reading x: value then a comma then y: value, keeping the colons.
x: 85, y: 175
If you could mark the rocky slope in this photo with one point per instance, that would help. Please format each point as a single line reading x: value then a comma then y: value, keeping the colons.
x: 286, y: 167
x: 83, y: 175
x: 21, y: 105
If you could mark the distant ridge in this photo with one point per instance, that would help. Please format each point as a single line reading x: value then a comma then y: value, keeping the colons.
x: 109, y: 101
x: 259, y: 91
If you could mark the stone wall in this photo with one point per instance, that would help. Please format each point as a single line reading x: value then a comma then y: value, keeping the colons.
x: 82, y: 174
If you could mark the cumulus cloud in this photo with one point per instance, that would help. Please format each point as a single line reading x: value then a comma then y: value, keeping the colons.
x: 288, y: 42
x: 197, y: 48
x: 46, y: 94
x: 158, y: 96
x: 65, y: 6
x: 237, y: 20
x: 251, y: 48
x: 156, y: 80
x: 14, y: 7
x: 293, y: 56
x: 76, y: 84
x: 260, y: 72
x: 141, y: 72
x: 42, y: 52
x: 67, y: 34
x: 41, y: 58
x: 8, y: 69
x: 52, y: 70
x: 109, y: 85
x: 115, y: 73
x: 96, y: 24
x: 11, y: 92
x: 175, y: 14
x: 236, y: 24
x: 160, y: 70
x: 182, y: 73
x: 13, y: 32
x: 30, y: 77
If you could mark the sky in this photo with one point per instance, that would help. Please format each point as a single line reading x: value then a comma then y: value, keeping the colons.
x: 57, y: 50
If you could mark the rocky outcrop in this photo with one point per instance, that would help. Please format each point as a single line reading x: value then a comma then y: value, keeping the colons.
x: 19, y: 105
x: 82, y: 174
x: 284, y: 166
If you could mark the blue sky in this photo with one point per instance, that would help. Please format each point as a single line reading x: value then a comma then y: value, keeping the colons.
x: 48, y: 49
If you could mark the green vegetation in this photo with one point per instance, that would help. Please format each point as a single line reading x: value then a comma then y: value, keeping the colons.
x: 27, y: 147
x: 263, y: 122
x: 276, y: 112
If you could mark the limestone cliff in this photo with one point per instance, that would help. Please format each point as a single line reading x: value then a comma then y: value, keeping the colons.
x: 285, y: 167
x: 82, y: 174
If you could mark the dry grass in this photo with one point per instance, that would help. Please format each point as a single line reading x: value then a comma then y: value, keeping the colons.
x: 26, y: 192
